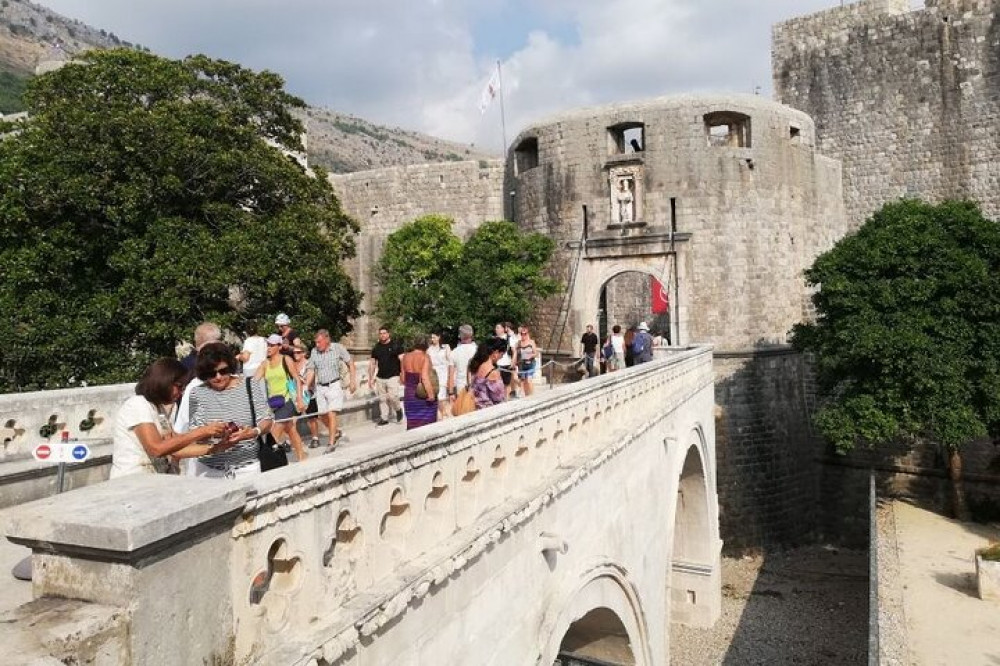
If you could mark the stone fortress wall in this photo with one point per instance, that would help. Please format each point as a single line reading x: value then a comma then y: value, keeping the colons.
x: 728, y: 201
x: 737, y: 184
x: 383, y: 200
x: 908, y: 100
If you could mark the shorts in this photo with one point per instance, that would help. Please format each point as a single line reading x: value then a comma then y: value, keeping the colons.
x: 329, y: 398
x: 506, y: 374
x: 526, y: 370
x: 286, y: 411
x: 311, y: 407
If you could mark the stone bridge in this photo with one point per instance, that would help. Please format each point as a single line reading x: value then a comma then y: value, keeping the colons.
x: 579, y: 523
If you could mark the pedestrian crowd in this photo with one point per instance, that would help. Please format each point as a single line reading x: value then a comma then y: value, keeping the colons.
x: 223, y: 413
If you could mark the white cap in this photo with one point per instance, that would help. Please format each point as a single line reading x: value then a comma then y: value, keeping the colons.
x: 643, y: 326
x: 282, y: 320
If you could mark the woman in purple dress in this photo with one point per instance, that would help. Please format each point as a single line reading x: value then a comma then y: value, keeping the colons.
x: 417, y: 371
x: 486, y: 384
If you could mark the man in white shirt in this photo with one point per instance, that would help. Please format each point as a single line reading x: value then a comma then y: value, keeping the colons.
x: 458, y: 371
x: 205, y: 333
x: 254, y: 350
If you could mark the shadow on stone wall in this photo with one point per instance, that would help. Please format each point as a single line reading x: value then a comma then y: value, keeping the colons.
x: 766, y: 471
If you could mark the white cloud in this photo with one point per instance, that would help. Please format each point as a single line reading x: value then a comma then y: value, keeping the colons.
x: 416, y: 63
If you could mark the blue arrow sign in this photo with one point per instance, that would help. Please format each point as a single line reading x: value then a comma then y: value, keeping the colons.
x: 80, y: 452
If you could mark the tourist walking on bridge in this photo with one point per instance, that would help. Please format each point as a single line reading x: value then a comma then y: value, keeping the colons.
x: 300, y: 361
x: 525, y: 357
x: 284, y: 394
x: 419, y: 389
x: 588, y: 345
x: 324, y: 368
x: 143, y: 437
x: 440, y: 355
x: 487, y: 385
x: 383, y: 375
x: 642, y: 345
x: 617, y: 341
x: 230, y: 398
x: 458, y: 373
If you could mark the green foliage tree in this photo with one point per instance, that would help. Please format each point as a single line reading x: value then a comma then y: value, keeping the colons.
x: 145, y: 195
x: 12, y: 89
x: 907, y: 333
x: 413, y: 273
x: 431, y: 281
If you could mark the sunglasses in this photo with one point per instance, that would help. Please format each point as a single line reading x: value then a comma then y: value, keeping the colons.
x: 273, y: 345
x: 221, y: 372
x: 298, y: 353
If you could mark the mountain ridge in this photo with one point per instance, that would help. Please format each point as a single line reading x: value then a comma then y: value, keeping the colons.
x: 31, y: 35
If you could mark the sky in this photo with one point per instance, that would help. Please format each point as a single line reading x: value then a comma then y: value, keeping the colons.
x: 423, y: 64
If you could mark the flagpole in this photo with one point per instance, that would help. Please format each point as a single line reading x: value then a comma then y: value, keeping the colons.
x: 503, y: 118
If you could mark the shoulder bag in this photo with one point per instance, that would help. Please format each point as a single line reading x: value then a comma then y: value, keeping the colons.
x: 270, y: 455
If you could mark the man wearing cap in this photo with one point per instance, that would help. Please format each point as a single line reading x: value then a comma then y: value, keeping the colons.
x: 289, y: 335
x: 324, y: 367
x: 642, y: 344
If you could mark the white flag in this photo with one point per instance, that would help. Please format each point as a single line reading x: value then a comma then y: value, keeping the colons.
x: 490, y: 91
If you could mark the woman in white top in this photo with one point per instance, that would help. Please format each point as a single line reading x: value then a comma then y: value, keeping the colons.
x: 254, y: 350
x: 617, y: 360
x: 440, y: 356
x: 143, y: 436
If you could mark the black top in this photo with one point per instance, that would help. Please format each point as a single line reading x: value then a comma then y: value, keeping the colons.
x: 387, y: 356
x: 288, y: 348
x: 590, y: 342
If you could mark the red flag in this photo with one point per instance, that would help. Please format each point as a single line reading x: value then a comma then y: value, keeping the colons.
x: 661, y: 301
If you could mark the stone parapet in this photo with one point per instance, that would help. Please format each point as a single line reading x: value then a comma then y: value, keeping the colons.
x: 326, y: 560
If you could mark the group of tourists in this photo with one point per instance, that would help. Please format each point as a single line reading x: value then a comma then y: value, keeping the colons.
x: 218, y: 413
x: 619, y: 350
x: 222, y: 413
x: 438, y: 381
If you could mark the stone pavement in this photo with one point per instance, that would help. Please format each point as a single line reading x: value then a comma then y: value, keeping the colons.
x: 945, y: 621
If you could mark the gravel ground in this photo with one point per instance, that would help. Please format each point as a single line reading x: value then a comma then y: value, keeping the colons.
x: 891, y: 619
x: 804, y: 606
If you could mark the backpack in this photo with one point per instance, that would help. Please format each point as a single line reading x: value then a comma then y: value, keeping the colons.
x: 638, y: 344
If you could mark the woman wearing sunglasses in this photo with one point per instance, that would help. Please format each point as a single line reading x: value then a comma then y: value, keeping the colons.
x: 225, y: 397
x: 284, y: 393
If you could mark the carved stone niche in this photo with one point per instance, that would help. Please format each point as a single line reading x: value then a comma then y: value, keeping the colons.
x: 626, y: 191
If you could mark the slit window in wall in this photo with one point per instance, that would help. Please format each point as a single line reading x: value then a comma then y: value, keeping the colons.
x: 625, y: 138
x: 526, y: 155
x: 794, y: 134
x: 728, y: 128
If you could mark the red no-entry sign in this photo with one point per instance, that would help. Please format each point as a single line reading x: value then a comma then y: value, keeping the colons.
x: 42, y: 452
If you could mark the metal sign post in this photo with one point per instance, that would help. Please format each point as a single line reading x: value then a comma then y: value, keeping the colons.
x: 63, y: 453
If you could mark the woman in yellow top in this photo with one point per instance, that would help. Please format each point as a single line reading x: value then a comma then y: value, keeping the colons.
x: 279, y: 374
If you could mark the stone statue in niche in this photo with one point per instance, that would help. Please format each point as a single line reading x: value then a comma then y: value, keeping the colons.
x: 624, y: 200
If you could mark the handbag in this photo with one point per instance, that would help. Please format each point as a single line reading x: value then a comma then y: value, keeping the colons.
x: 608, y: 350
x: 465, y: 402
x: 270, y: 455
x: 421, y: 392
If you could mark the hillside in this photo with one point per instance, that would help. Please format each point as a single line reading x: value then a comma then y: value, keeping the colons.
x: 343, y: 143
x: 31, y: 34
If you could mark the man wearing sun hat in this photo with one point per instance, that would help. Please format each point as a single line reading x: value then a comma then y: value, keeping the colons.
x: 288, y: 334
x: 642, y: 344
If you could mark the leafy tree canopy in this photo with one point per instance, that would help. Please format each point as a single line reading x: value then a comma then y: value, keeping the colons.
x: 907, y: 334
x: 145, y: 195
x: 11, y: 89
x: 430, y: 280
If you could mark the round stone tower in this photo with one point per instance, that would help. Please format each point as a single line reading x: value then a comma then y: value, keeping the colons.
x: 723, y: 200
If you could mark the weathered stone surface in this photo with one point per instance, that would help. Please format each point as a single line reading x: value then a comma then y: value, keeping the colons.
x: 122, y: 516
x: 906, y: 99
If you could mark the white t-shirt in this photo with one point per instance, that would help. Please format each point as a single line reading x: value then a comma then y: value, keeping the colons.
x: 618, y: 343
x: 257, y: 346
x: 460, y: 357
x: 128, y: 456
x: 182, y: 419
x: 512, y: 340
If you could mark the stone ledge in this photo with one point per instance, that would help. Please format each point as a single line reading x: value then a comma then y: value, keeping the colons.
x: 121, y: 519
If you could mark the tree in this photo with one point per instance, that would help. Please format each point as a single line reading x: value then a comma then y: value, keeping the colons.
x: 413, y: 273
x: 145, y: 195
x: 907, y: 333
x: 430, y: 280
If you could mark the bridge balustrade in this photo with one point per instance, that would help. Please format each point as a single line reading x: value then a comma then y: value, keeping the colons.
x: 309, y: 563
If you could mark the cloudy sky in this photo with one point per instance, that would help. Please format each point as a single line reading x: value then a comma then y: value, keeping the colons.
x: 422, y: 64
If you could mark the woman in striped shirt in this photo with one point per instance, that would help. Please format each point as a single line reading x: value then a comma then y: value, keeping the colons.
x: 225, y: 397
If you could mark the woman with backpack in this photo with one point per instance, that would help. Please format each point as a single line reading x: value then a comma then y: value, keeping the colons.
x: 284, y: 394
